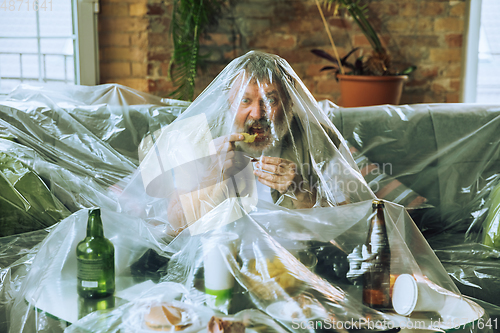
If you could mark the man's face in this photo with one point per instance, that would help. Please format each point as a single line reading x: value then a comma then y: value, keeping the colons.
x: 259, y: 110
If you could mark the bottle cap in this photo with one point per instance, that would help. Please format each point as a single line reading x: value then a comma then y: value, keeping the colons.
x: 377, y: 203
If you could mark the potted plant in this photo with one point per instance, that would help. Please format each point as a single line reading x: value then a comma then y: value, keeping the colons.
x: 368, y: 80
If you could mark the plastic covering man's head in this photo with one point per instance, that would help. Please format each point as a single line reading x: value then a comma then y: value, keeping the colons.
x: 260, y: 102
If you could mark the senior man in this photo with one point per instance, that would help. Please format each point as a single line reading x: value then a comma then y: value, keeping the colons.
x: 258, y: 110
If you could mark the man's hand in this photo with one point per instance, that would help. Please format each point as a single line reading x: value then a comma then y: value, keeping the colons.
x: 280, y: 175
x: 277, y: 173
x: 224, y: 149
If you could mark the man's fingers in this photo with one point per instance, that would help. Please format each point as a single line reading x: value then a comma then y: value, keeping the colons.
x: 274, y: 160
x: 273, y: 178
x: 236, y: 137
x: 280, y: 169
x: 279, y: 187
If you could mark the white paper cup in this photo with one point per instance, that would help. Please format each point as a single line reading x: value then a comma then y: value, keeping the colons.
x: 219, y: 281
x: 409, y: 296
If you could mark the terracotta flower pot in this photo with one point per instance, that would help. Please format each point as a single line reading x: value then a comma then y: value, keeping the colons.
x: 365, y: 90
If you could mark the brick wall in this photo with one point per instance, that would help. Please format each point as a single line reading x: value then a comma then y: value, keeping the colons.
x: 135, y: 46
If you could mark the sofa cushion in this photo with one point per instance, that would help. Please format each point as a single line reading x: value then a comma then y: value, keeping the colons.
x: 384, y: 185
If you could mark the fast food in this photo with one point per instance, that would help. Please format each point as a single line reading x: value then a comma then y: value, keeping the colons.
x: 249, y: 138
x: 166, y: 317
x: 218, y: 325
x: 275, y: 270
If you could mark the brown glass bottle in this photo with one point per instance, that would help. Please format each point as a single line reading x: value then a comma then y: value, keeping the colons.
x: 377, y: 277
x: 95, y: 256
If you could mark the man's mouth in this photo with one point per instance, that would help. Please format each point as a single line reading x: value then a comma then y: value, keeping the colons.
x: 260, y: 131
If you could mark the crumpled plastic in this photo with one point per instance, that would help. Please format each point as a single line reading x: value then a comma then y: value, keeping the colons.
x: 449, y: 154
x: 303, y: 260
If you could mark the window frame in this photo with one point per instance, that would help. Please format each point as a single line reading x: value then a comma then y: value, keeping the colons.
x: 471, y: 52
x: 85, y: 44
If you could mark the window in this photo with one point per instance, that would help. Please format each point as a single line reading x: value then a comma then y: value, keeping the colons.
x: 482, y: 67
x: 49, y: 42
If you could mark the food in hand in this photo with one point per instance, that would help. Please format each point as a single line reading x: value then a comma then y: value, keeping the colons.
x: 249, y: 138
x: 218, y: 325
x: 165, y: 316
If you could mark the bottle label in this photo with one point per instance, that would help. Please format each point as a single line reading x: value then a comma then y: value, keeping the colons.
x: 89, y: 270
x: 89, y: 284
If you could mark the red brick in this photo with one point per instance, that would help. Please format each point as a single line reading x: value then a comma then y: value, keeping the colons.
x: 123, y: 24
x: 337, y: 22
x: 160, y: 86
x: 452, y: 70
x: 139, y: 69
x: 427, y: 71
x: 155, y: 9
x: 326, y: 86
x: 408, y: 8
x: 282, y: 41
x: 139, y: 39
x: 416, y: 83
x: 164, y: 68
x: 159, y: 55
x: 138, y: 54
x: 449, y: 24
x: 452, y: 98
x: 128, y: 1
x: 113, y: 10
x: 138, y: 9
x: 384, y: 8
x: 454, y: 40
x: 445, y: 55
x: 114, y: 39
x: 116, y: 53
x: 455, y: 84
x: 441, y: 85
x: 403, y: 24
x: 115, y: 69
x: 424, y: 25
x: 157, y: 39
x: 458, y: 9
x: 314, y: 70
x: 216, y: 39
x: 430, y: 8
x: 360, y: 40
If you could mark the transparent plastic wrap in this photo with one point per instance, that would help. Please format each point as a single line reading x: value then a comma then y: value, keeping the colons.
x: 255, y: 133
x: 450, y: 155
x: 246, y: 213
x: 273, y: 269
x: 63, y: 149
x: 447, y: 153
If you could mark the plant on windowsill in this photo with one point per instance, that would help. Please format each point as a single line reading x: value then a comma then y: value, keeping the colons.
x: 367, y: 81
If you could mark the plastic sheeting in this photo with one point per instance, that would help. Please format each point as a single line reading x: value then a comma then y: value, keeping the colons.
x: 292, y: 295
x: 449, y: 154
x: 109, y: 146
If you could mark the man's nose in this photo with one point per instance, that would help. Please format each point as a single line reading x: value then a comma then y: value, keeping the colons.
x: 258, y: 110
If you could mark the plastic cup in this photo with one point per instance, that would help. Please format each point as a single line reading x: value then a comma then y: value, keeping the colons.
x: 219, y: 281
x: 409, y: 296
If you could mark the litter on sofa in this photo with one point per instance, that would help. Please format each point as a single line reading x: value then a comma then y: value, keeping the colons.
x: 215, y: 232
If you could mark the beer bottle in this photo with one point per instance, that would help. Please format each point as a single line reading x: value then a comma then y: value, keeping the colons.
x: 376, y: 276
x: 95, y: 256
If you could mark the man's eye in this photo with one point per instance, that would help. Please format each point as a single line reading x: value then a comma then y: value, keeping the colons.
x: 272, y: 100
x: 245, y: 100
